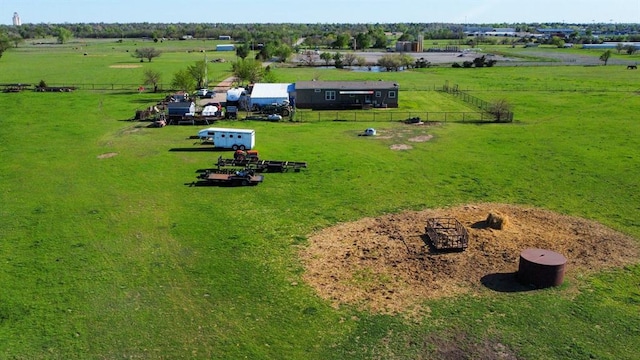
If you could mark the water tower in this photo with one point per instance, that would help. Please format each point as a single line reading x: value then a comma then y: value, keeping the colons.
x: 16, y: 19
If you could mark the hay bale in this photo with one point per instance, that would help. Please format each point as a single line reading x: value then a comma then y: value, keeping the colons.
x: 497, y: 221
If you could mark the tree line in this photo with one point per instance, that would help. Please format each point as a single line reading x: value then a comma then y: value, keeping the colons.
x: 290, y: 32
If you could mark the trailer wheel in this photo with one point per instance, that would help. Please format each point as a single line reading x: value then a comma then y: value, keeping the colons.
x: 285, y: 112
x: 242, y: 147
x: 245, y: 182
x: 234, y: 147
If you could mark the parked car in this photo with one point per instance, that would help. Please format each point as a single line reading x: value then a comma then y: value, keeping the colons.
x: 203, y: 92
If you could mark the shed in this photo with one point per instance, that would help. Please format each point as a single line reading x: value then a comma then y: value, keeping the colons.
x: 225, y: 47
x: 267, y: 94
x: 345, y: 94
x: 179, y: 109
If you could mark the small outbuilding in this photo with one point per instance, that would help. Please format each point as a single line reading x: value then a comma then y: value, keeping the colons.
x: 225, y: 47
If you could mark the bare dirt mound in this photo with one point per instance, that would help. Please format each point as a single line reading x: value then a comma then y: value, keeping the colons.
x: 385, y: 264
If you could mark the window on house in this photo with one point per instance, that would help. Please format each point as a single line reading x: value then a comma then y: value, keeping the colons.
x: 330, y: 95
x: 378, y: 93
x: 392, y: 94
x: 317, y: 90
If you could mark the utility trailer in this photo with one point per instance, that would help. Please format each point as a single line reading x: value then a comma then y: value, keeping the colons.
x: 261, y: 165
x: 246, y: 177
x: 229, y: 138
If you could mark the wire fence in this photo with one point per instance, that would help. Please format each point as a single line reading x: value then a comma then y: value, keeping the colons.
x: 499, y: 113
x: 391, y: 116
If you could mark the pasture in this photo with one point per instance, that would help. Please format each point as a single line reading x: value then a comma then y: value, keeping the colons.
x: 106, y: 251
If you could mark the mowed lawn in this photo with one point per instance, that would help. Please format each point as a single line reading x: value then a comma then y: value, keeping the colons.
x: 106, y: 251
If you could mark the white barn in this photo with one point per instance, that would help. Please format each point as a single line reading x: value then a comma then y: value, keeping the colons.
x: 267, y: 94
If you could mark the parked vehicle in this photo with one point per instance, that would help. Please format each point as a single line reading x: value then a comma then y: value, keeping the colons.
x: 283, y: 110
x: 250, y: 160
x: 244, y: 177
x: 234, y: 99
x: 242, y: 139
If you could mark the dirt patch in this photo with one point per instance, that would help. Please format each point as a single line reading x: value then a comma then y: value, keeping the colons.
x: 385, y: 265
x: 461, y: 346
x: 125, y: 66
x: 107, y: 155
x: 422, y: 138
x: 400, y: 147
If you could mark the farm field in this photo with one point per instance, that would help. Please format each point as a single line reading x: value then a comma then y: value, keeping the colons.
x: 107, y: 251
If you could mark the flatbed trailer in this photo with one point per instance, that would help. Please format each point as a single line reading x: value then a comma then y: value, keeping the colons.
x: 262, y: 165
x: 242, y: 178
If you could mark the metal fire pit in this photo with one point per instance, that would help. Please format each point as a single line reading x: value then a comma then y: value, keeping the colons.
x: 447, y: 234
x: 541, y: 268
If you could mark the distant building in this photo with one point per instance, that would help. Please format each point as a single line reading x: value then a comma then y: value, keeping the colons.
x: 225, y: 47
x: 410, y: 46
x: 16, y: 19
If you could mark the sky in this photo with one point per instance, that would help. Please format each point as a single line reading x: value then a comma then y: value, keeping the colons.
x: 321, y: 11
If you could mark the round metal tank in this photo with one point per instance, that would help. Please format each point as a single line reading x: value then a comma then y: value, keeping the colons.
x: 542, y: 268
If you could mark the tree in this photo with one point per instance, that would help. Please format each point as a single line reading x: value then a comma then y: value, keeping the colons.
x: 363, y: 41
x: 406, y: 60
x: 242, y: 51
x: 283, y: 52
x: 337, y: 60
x: 5, y: 43
x: 501, y: 109
x: 199, y: 73
x: 146, y: 53
x: 327, y: 57
x: 63, y: 35
x: 619, y: 47
x: 151, y: 77
x: 248, y: 70
x: 557, y: 41
x: 267, y: 52
x: 309, y: 58
x: 380, y: 40
x: 390, y: 62
x: 630, y: 49
x: 182, y: 80
x: 269, y: 75
x: 342, y: 40
x: 349, y: 59
x: 16, y: 39
x: 605, y: 57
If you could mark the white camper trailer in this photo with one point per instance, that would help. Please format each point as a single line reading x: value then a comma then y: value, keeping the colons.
x: 243, y: 139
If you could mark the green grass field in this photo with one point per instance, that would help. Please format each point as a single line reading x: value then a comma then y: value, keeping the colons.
x: 118, y: 257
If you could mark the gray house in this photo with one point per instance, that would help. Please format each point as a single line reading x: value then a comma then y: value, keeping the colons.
x: 319, y: 95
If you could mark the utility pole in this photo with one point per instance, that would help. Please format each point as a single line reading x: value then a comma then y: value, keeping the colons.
x: 206, y: 70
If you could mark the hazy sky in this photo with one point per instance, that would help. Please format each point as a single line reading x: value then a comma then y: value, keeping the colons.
x: 320, y: 11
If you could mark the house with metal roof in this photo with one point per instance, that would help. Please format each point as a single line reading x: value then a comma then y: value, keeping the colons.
x: 319, y: 95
